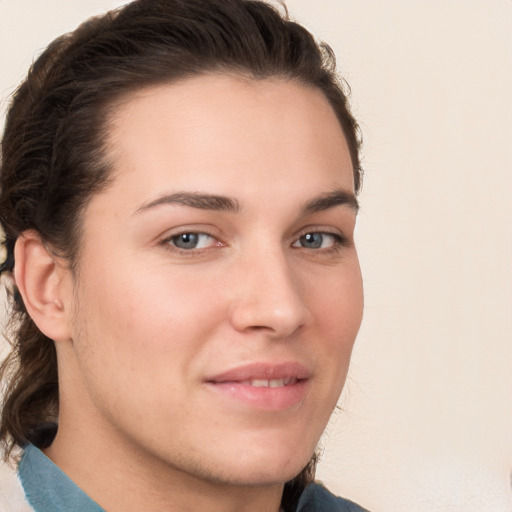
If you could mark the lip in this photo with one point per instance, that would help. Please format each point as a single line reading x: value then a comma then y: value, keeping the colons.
x: 235, y: 387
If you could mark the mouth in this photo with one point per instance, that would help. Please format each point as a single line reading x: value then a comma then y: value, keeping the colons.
x: 261, y: 386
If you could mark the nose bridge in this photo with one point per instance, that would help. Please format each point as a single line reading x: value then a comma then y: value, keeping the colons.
x: 269, y: 296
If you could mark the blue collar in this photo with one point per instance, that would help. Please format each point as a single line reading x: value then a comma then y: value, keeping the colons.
x: 47, y: 488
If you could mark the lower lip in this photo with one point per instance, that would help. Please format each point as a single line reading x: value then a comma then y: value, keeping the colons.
x: 263, y: 398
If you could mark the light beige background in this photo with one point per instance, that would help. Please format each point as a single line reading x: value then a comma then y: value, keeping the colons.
x: 426, y: 420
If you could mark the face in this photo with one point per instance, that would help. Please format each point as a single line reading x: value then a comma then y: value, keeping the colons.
x: 219, y: 291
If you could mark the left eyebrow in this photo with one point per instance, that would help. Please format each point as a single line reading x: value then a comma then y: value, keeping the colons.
x: 331, y: 200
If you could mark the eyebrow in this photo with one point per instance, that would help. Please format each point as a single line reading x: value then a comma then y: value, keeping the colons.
x: 330, y: 200
x: 194, y: 200
x: 223, y: 203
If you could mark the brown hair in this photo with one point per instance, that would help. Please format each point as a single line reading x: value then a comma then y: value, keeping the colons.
x: 53, y: 158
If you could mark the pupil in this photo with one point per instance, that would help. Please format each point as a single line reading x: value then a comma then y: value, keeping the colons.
x: 187, y: 241
x: 312, y: 240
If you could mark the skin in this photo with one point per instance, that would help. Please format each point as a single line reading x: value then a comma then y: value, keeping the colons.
x: 143, y: 325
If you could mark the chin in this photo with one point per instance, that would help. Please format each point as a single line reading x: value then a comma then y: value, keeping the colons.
x: 274, y: 478
x: 263, y: 471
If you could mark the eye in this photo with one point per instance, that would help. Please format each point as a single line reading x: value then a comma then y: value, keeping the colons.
x: 318, y: 240
x: 191, y: 240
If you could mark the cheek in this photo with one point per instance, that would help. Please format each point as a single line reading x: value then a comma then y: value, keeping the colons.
x: 337, y: 308
x: 337, y: 303
x: 136, y: 341
x: 146, y: 320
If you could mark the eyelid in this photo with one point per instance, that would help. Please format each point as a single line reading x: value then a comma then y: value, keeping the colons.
x: 340, y: 241
x: 336, y: 236
x: 165, y: 239
x: 326, y: 230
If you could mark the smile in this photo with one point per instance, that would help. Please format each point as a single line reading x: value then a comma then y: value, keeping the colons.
x: 261, y: 386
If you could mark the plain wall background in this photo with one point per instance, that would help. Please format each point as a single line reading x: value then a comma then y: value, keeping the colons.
x: 426, y: 419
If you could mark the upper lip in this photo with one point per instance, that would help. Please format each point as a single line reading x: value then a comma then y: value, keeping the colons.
x: 264, y: 371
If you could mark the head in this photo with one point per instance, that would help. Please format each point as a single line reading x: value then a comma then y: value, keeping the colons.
x: 71, y: 167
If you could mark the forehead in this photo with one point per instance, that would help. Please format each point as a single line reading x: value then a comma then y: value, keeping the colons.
x: 221, y: 132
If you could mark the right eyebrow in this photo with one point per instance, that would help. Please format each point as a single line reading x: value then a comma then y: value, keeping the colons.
x: 193, y: 200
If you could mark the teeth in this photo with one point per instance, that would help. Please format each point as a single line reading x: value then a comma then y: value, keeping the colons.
x: 260, y: 383
x: 271, y: 383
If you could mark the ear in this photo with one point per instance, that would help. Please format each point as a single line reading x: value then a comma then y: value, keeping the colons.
x: 44, y: 283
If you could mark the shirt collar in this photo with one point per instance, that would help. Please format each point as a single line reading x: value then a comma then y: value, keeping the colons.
x: 47, y: 488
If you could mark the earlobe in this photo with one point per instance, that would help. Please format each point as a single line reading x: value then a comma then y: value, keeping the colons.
x: 40, y: 277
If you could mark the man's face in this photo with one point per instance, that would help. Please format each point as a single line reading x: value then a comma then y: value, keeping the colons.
x: 219, y: 291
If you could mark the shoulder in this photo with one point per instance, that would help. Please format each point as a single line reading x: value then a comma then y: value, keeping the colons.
x: 12, y: 496
x: 316, y: 498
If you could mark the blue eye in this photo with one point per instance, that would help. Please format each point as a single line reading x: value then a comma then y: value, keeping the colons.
x: 317, y: 240
x: 312, y: 240
x: 188, y: 241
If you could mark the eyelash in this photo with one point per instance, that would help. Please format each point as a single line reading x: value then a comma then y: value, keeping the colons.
x: 339, y: 242
x: 168, y: 242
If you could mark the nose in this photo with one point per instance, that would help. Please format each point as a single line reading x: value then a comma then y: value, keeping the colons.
x: 269, y: 297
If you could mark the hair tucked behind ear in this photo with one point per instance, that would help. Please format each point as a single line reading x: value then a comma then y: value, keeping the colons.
x: 53, y: 158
